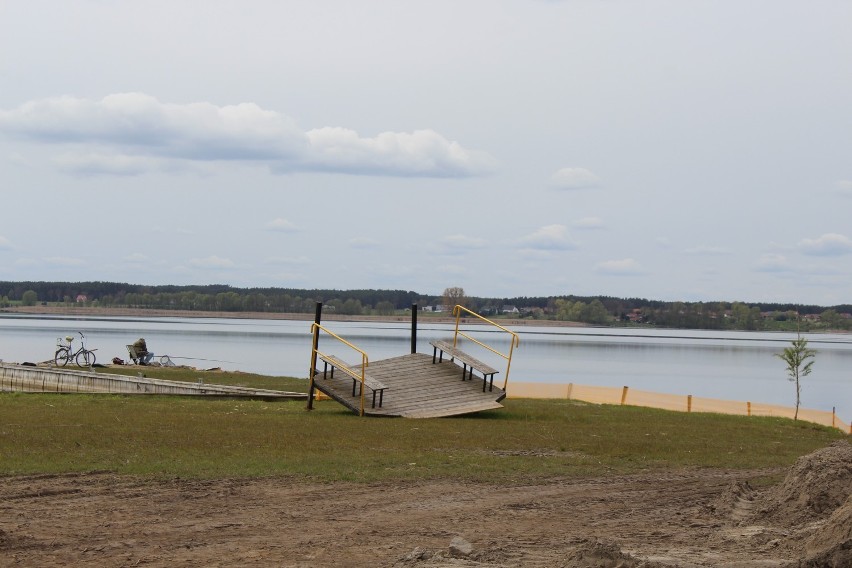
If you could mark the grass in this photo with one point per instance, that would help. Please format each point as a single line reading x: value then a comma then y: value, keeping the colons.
x: 163, y: 436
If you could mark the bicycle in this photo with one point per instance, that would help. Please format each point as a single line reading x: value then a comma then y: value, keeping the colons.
x: 83, y: 357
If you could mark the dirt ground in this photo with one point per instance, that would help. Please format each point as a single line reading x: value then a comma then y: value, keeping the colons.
x: 691, y: 518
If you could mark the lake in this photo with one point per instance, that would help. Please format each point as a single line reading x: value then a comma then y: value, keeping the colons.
x: 713, y: 364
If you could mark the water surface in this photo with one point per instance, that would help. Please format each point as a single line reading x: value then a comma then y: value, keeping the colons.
x: 715, y: 364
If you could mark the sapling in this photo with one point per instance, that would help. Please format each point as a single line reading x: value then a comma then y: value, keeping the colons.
x: 796, y: 358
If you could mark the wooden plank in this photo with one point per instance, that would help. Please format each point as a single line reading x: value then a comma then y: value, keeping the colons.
x: 419, y: 389
x: 457, y: 353
x: 338, y: 363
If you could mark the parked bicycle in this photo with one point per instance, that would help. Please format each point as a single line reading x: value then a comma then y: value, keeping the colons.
x: 83, y: 357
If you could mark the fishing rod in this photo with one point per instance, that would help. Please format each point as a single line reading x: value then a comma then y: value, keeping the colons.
x: 199, y: 359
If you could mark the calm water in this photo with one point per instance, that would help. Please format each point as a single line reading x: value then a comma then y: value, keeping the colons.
x: 726, y: 365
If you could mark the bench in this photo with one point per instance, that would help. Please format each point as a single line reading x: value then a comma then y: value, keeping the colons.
x: 466, y: 361
x: 371, y: 383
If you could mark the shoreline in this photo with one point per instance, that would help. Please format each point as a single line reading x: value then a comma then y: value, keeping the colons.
x: 152, y: 313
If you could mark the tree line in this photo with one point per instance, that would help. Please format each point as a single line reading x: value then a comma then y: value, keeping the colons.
x: 596, y: 310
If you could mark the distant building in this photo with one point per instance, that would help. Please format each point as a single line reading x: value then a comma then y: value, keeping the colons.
x: 82, y: 298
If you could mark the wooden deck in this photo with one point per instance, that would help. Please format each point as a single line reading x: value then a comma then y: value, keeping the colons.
x: 415, y: 389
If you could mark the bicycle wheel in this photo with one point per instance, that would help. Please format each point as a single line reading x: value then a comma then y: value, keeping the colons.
x: 85, y: 359
x: 61, y: 356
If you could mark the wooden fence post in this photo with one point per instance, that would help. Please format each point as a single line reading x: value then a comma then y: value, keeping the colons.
x: 623, y: 395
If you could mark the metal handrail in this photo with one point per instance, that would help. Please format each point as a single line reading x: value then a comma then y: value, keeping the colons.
x: 515, y: 341
x: 351, y: 372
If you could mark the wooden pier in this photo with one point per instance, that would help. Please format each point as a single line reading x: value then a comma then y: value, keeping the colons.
x: 415, y: 388
x: 23, y: 378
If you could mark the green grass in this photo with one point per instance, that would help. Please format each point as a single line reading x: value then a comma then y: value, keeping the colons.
x: 165, y: 436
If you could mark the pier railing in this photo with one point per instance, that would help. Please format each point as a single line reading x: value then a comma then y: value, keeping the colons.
x: 458, y: 312
x: 352, y: 372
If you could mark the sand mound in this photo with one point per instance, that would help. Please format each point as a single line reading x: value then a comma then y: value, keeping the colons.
x: 817, y: 485
x: 833, y: 541
x: 594, y: 553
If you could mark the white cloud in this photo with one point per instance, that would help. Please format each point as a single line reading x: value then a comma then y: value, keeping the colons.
x: 287, y: 260
x: 114, y: 164
x: 211, y: 262
x: 5, y: 243
x: 281, y: 225
x: 363, y: 243
x: 574, y: 178
x: 589, y: 223
x: 64, y: 261
x: 829, y: 244
x: 463, y: 242
x: 773, y: 262
x: 422, y: 153
x: 134, y: 133
x: 136, y: 257
x: 452, y: 270
x: 707, y: 251
x: 622, y: 267
x: 549, y: 238
x: 843, y: 187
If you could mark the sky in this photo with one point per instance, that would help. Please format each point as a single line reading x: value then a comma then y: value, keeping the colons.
x: 669, y: 150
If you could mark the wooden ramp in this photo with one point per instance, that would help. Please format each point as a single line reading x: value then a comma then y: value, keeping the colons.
x: 416, y: 388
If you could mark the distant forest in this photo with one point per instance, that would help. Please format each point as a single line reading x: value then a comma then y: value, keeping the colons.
x: 595, y: 310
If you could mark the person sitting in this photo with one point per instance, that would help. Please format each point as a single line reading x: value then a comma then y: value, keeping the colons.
x: 141, y: 349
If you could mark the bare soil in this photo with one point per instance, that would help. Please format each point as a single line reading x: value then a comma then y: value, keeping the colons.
x: 685, y: 518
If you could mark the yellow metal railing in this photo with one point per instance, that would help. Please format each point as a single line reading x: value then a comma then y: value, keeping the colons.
x: 315, y: 352
x: 514, y: 341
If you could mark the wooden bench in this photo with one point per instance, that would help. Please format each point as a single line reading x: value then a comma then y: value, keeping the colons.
x: 466, y: 361
x: 371, y: 383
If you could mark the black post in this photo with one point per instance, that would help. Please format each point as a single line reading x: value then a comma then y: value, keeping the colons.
x: 413, y: 328
x: 312, y: 371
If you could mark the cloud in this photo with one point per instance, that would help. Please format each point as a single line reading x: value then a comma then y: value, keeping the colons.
x: 548, y: 238
x: 830, y: 244
x: 134, y: 133
x: 287, y: 260
x: 5, y: 243
x: 622, y: 267
x: 90, y: 163
x: 422, y: 153
x: 452, y: 270
x: 64, y: 261
x: 281, y: 225
x: 211, y: 262
x: 363, y: 243
x: 773, y: 262
x: 574, y: 178
x: 589, y: 223
x: 136, y: 257
x: 843, y: 187
x: 463, y: 242
x: 707, y: 251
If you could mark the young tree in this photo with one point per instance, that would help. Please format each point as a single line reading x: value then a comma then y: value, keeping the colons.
x: 796, y: 358
x: 452, y: 296
x: 29, y: 298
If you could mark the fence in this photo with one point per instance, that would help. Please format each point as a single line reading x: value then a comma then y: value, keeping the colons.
x: 682, y: 403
